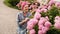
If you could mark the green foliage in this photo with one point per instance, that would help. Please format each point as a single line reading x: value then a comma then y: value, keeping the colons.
x: 53, y: 31
x: 43, y: 14
x: 11, y: 3
x: 51, y: 14
x: 36, y: 29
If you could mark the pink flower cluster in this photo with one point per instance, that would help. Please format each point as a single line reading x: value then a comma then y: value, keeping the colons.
x: 48, y: 6
x: 32, y: 31
x: 43, y: 22
x: 44, y: 25
x: 57, y: 22
x: 31, y: 23
x: 51, y: 2
x: 57, y: 4
x: 37, y: 15
x: 43, y: 8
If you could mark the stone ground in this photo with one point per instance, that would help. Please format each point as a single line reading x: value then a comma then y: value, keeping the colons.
x: 8, y: 23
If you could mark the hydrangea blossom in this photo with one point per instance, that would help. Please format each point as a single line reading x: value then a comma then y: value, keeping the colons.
x: 40, y: 32
x: 49, y: 7
x: 51, y: 2
x: 45, y: 29
x: 37, y: 15
x: 32, y: 31
x: 57, y: 4
x: 38, y: 10
x: 57, y: 22
x: 47, y: 24
x: 40, y: 27
x: 57, y: 25
x: 31, y: 23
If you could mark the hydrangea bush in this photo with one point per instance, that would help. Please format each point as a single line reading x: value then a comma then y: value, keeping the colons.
x: 46, y: 19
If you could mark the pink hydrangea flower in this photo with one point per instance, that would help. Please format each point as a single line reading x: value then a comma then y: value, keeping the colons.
x: 40, y: 7
x: 38, y: 10
x: 51, y: 2
x: 47, y: 17
x: 41, y: 22
x: 30, y: 26
x: 57, y: 25
x: 37, y: 15
x: 41, y: 10
x: 40, y: 32
x: 33, y: 21
x: 45, y: 10
x: 49, y: 7
x: 56, y: 21
x: 47, y: 24
x: 45, y: 6
x: 32, y: 6
x: 57, y: 17
x: 45, y: 29
x: 40, y: 27
x: 44, y: 19
x: 29, y: 22
x: 32, y: 31
x: 57, y: 4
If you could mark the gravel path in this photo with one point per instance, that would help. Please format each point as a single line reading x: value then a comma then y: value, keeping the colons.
x: 7, y: 19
